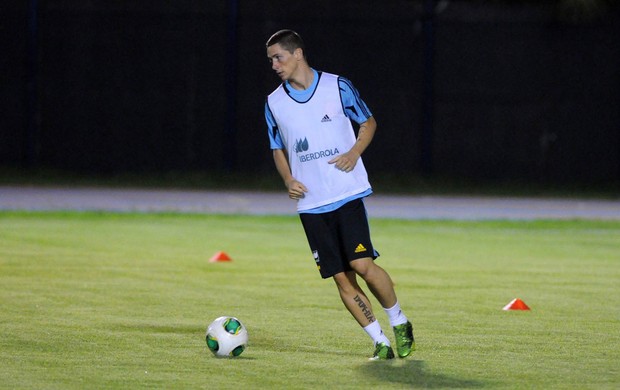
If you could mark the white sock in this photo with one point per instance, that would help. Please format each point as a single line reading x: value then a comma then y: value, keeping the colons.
x: 395, y: 315
x: 375, y: 333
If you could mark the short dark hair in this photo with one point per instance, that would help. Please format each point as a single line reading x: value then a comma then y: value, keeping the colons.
x: 289, y: 40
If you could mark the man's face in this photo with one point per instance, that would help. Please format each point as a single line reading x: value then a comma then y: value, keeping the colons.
x: 282, y: 61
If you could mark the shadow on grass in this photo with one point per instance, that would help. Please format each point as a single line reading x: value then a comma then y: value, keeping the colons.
x: 414, y: 373
x: 151, y: 328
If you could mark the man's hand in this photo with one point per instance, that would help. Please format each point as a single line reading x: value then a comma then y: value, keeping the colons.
x: 345, y: 162
x: 296, y: 189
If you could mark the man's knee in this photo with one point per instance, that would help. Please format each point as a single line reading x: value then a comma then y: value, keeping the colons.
x: 363, y: 267
x: 346, y: 282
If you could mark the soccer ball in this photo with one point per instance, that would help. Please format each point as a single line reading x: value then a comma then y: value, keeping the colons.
x: 227, y: 337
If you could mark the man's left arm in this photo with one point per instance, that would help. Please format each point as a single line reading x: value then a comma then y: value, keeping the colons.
x: 357, y: 110
x: 347, y: 161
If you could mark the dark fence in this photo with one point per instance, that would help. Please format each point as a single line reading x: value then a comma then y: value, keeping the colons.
x: 474, y: 90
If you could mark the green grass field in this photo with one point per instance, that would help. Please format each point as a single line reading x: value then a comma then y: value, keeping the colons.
x: 103, y: 300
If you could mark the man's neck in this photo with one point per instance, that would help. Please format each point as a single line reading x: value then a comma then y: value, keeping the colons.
x: 304, y: 80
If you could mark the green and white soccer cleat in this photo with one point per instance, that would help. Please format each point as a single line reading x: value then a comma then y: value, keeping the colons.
x: 382, y: 352
x: 404, y: 339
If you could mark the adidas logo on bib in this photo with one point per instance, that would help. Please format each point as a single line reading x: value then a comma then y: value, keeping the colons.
x: 326, y: 119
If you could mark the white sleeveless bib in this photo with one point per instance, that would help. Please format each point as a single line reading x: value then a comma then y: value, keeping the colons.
x: 313, y: 133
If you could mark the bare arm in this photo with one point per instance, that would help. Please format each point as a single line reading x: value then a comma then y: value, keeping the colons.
x: 296, y: 189
x: 347, y: 161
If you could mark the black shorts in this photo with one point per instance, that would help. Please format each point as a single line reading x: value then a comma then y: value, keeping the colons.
x: 338, y: 237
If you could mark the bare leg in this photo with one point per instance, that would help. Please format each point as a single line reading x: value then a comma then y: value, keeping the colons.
x: 354, y: 299
x: 377, y: 280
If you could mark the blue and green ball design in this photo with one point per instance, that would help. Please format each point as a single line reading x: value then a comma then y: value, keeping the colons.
x: 226, y: 337
x: 232, y: 325
x: 212, y: 343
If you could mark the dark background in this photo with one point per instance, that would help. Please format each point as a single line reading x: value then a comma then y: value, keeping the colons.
x: 489, y: 90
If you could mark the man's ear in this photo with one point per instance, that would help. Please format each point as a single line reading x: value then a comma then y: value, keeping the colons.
x: 298, y: 53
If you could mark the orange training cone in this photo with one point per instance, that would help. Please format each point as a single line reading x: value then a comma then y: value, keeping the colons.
x: 516, y: 304
x: 219, y: 256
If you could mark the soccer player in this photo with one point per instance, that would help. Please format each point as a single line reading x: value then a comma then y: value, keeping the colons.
x: 318, y: 155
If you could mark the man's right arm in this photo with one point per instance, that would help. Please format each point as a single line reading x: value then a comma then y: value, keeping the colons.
x: 296, y: 189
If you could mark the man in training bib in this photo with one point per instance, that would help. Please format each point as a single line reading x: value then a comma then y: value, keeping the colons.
x: 318, y: 156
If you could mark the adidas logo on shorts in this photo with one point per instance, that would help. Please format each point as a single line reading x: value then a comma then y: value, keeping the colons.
x: 360, y: 248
